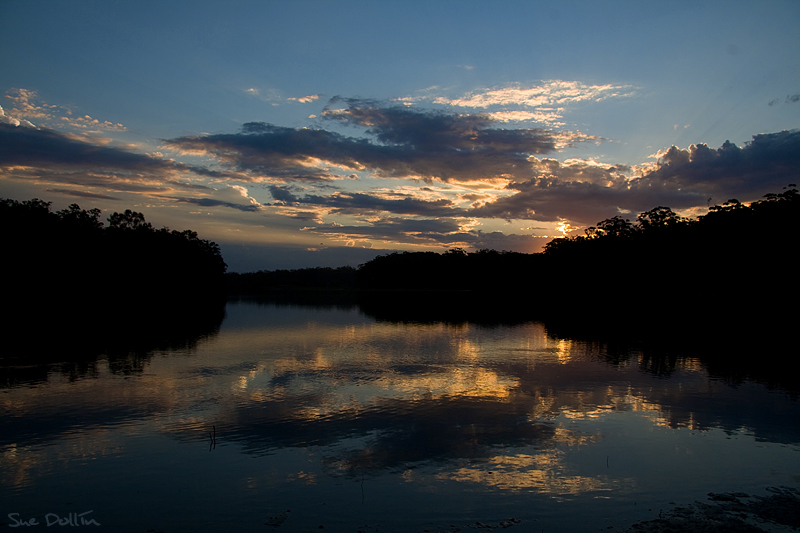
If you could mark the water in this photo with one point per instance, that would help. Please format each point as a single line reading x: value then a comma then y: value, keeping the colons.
x: 293, y: 418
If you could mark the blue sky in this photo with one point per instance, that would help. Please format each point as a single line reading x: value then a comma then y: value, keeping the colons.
x: 311, y: 133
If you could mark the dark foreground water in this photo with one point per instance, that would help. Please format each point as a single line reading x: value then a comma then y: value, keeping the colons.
x: 297, y: 418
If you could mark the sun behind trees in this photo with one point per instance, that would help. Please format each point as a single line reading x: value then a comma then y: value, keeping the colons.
x: 736, y: 253
x: 65, y: 271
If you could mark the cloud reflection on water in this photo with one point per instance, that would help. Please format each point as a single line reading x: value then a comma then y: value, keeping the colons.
x: 499, y: 406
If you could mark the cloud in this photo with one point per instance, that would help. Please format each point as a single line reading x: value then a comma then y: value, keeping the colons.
x: 515, y: 102
x: 88, y: 122
x: 43, y: 148
x: 396, y: 229
x: 269, y: 151
x: 790, y: 99
x: 27, y: 106
x: 400, y: 142
x: 83, y: 194
x: 411, y: 143
x: 305, y: 99
x: 6, y: 119
x: 525, y: 116
x: 439, y: 133
x: 428, y: 232
x: 232, y: 196
x: 396, y: 219
x: 355, y: 203
x: 265, y: 94
x: 211, y: 202
x: 767, y: 163
x: 549, y: 93
x: 283, y: 194
x: 549, y: 199
x: 475, y: 168
x: 46, y: 148
x: 586, y: 192
x: 51, y: 157
x: 576, y: 189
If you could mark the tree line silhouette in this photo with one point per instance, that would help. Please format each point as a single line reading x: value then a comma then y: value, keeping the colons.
x: 736, y: 251
x: 731, y: 268
x: 735, y: 255
x: 66, y: 273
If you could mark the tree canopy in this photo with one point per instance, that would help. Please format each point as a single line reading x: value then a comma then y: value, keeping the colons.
x: 67, y: 264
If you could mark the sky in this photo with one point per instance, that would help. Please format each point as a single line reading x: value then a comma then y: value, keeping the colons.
x: 323, y: 133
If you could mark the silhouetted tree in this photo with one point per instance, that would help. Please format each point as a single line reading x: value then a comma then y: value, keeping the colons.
x: 129, y: 220
x: 658, y: 218
x: 77, y: 219
x: 612, y: 227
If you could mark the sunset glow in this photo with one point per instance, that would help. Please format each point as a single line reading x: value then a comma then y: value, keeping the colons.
x: 551, y: 116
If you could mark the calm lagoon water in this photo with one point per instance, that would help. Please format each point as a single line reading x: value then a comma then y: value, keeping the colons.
x: 297, y: 418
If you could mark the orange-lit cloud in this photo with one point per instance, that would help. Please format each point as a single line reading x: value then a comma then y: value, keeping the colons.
x: 305, y: 99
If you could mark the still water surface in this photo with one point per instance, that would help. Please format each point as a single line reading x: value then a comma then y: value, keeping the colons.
x: 293, y: 418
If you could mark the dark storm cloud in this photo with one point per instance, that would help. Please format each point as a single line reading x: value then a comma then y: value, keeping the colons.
x: 404, y: 143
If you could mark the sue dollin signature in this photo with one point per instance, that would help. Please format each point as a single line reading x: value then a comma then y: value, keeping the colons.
x: 52, y: 519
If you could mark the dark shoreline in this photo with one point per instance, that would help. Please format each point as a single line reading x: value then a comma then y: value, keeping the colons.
x: 731, y: 512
